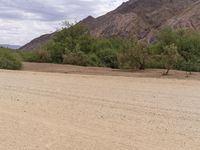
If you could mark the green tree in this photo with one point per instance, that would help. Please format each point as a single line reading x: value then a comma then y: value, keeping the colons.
x: 9, y: 59
x: 170, y: 57
x: 134, y: 55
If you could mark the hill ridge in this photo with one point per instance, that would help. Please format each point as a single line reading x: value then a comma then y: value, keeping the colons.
x: 138, y: 17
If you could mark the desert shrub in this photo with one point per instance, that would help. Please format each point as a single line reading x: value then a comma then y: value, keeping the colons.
x: 56, y: 52
x: 69, y: 37
x: 9, y: 59
x: 72, y: 41
x: 108, y: 58
x: 43, y: 56
x: 134, y: 55
x: 101, y: 44
x: 28, y: 56
x: 93, y: 60
x: 36, y: 56
x: 170, y: 57
x: 187, y: 66
x: 155, y: 61
x: 75, y: 58
x: 188, y: 48
x: 75, y: 45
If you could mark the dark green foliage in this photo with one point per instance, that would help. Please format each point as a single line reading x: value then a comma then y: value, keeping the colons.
x: 9, y: 59
x: 36, y: 56
x: 93, y: 60
x: 56, y: 52
x: 74, y: 45
x: 108, y: 58
x: 188, y: 48
x: 29, y: 56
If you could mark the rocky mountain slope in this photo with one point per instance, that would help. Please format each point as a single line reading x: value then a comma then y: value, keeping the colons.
x: 140, y: 18
x: 190, y: 18
x: 137, y: 17
x: 36, y: 43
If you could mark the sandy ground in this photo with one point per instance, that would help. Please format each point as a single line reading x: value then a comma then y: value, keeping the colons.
x: 52, y: 111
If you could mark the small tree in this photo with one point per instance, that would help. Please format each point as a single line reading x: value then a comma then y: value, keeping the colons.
x: 170, y: 57
x: 42, y: 55
x: 134, y: 56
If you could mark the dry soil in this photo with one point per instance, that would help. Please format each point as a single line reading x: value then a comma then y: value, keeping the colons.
x: 53, y: 111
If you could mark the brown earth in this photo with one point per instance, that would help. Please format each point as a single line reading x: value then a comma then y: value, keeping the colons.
x: 56, y: 111
x: 70, y: 69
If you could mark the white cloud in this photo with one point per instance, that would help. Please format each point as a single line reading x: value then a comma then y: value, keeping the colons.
x: 23, y: 20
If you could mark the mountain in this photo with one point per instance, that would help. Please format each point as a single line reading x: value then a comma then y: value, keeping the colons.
x: 138, y: 17
x: 188, y: 19
x: 141, y: 18
x: 37, y: 42
x: 10, y: 46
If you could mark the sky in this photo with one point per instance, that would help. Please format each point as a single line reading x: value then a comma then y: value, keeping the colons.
x: 23, y: 20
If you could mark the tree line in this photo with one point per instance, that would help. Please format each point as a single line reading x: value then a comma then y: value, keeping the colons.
x: 74, y: 45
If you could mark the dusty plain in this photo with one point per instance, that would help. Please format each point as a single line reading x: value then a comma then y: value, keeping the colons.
x: 57, y: 111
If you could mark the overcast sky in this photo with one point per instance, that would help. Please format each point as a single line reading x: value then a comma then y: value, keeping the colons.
x: 23, y: 20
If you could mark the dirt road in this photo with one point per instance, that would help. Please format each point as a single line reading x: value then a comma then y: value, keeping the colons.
x: 52, y: 111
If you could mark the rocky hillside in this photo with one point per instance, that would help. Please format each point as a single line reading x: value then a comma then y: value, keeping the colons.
x: 189, y: 18
x: 36, y: 43
x: 137, y: 17
x: 140, y: 18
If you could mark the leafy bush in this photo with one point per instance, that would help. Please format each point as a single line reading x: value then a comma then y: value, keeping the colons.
x: 188, y: 48
x: 134, y: 56
x: 108, y: 58
x: 75, y: 45
x: 36, y: 56
x: 170, y: 57
x: 28, y: 56
x: 93, y: 60
x: 75, y: 58
x: 9, y: 59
